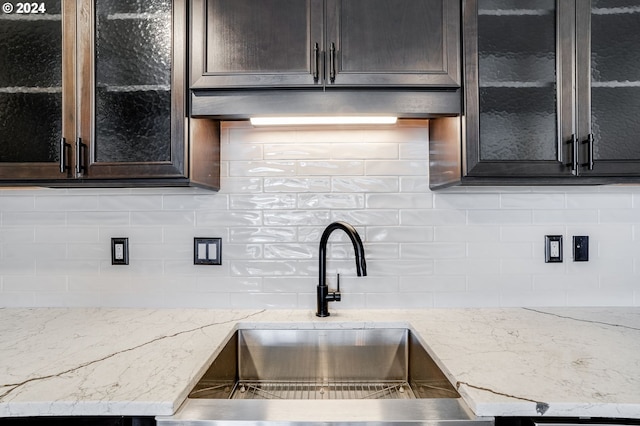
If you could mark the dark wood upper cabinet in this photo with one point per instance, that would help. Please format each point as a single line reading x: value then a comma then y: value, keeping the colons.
x: 552, y: 91
x: 255, y: 43
x: 36, y: 111
x: 393, y: 43
x: 316, y: 43
x: 115, y: 101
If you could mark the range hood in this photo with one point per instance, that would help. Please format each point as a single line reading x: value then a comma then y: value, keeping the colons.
x: 244, y: 104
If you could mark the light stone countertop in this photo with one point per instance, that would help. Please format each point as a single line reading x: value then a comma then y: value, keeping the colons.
x: 573, y: 362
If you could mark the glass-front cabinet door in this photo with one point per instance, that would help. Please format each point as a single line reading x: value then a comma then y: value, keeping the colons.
x: 92, y: 89
x: 36, y: 111
x: 608, y: 89
x: 518, y: 92
x: 553, y: 89
x: 132, y: 81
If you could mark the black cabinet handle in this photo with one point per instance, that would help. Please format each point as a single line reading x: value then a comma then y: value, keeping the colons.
x: 64, y: 155
x: 332, y: 63
x: 316, y: 66
x: 80, y: 157
x: 589, y: 142
x: 573, y: 164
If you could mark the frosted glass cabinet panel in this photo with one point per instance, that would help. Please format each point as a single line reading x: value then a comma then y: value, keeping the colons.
x: 92, y: 93
x: 133, y: 81
x: 31, y: 87
x: 517, y: 80
x: 609, y: 130
x: 553, y: 90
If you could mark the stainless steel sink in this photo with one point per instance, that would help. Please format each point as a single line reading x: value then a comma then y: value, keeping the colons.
x: 374, y: 375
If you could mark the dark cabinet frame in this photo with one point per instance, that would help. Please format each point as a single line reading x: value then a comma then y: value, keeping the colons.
x: 323, y: 55
x: 574, y: 163
x: 229, y: 95
x: 194, y: 151
x: 86, y: 100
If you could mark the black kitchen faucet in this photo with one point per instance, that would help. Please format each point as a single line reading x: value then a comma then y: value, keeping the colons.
x: 324, y: 295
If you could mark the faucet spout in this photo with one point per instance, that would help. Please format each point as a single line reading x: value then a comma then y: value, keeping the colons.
x: 324, y: 295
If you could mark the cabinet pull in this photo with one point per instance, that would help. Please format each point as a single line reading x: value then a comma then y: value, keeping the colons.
x: 64, y: 154
x: 316, y: 66
x: 332, y: 63
x: 574, y: 153
x: 589, y: 142
x: 80, y: 157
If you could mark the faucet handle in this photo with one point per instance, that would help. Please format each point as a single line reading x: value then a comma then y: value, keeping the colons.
x: 335, y: 296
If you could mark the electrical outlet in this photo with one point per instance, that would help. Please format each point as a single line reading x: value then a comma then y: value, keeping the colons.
x: 119, y: 251
x: 552, y: 248
x: 207, y: 251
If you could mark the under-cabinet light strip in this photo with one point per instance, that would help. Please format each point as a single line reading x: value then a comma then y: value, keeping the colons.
x: 320, y: 120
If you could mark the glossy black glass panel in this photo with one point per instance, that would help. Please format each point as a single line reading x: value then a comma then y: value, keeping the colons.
x: 133, y: 75
x: 31, y: 84
x: 615, y: 79
x: 30, y: 127
x: 518, y: 108
x: 135, y: 127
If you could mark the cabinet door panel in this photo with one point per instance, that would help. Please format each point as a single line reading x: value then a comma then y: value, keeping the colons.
x: 138, y: 127
x: 245, y: 43
x: 31, y: 93
x: 517, y: 90
x: 611, y: 88
x: 394, y: 42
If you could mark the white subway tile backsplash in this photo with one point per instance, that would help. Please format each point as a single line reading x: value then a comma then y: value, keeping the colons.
x: 466, y: 266
x: 396, y: 168
x: 312, y: 184
x: 399, y: 300
x: 96, y: 218
x: 499, y: 217
x: 433, y: 217
x: 419, y: 184
x: 399, y: 233
x: 357, y: 217
x: 240, y: 185
x: 34, y: 284
x: 365, y: 184
x: 402, y: 201
x: 466, y: 246
x: 331, y: 168
x: 533, y: 201
x: 66, y: 203
x: 262, y: 168
x: 17, y: 203
x: 331, y: 201
x: 433, y: 284
x: 466, y: 201
x: 475, y: 233
x: 262, y: 201
x: 13, y: 218
x: 194, y: 202
x: 601, y: 201
x: 544, y: 217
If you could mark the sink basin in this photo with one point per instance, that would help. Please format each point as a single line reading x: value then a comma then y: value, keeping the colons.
x: 329, y: 376
x: 324, y: 364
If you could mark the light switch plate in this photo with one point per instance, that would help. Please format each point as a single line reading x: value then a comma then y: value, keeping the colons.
x: 580, y: 248
x: 119, y: 251
x: 207, y: 251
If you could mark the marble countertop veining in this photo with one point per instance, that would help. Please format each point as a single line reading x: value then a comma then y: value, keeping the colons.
x: 571, y: 362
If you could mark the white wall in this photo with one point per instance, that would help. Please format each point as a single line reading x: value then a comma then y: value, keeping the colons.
x: 280, y: 188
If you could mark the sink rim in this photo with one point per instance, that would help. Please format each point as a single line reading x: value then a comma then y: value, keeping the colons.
x: 431, y: 412
x: 327, y: 358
